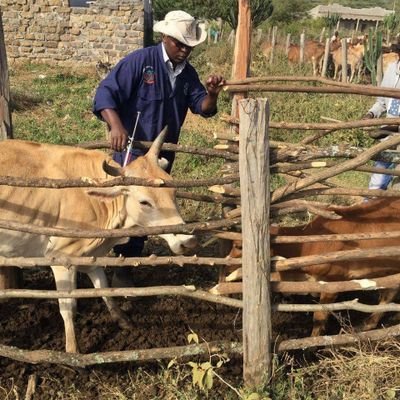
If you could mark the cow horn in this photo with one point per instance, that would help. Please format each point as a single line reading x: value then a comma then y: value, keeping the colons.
x: 111, y: 170
x: 155, y: 148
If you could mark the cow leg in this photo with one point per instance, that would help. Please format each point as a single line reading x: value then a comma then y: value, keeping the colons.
x: 352, y: 73
x: 321, y: 317
x: 314, y: 65
x: 385, y: 297
x: 66, y: 280
x: 99, y: 280
x: 337, y: 69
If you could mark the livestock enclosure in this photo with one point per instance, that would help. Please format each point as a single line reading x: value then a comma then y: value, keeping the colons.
x: 278, y: 151
x: 365, y: 55
x: 168, y: 306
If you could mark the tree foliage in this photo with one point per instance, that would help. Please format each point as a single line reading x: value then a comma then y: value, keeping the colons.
x: 211, y: 9
x: 288, y: 10
x: 391, y: 22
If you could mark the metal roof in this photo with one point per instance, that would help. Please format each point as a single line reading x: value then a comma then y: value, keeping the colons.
x: 368, y: 14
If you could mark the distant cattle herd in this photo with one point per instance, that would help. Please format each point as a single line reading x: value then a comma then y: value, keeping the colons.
x: 314, y: 53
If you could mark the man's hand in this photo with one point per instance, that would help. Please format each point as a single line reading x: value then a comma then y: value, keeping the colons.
x: 368, y: 115
x: 214, y: 84
x: 118, y: 134
x: 118, y: 138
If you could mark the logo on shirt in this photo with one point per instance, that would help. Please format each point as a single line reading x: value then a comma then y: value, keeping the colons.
x: 149, y: 76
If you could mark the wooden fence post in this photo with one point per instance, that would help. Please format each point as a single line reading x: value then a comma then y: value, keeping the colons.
x: 287, y: 45
x: 241, y: 57
x: 255, y: 192
x: 302, y: 44
x: 344, y: 60
x: 273, y: 44
x: 322, y: 34
x: 8, y: 275
x: 259, y: 35
x: 5, y: 114
x: 326, y: 58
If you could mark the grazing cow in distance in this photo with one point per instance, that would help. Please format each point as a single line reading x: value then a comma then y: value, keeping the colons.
x: 266, y: 49
x: 313, y: 52
x: 355, y: 54
x: 81, y: 208
x: 374, y: 216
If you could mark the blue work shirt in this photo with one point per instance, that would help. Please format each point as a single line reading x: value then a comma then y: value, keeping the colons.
x: 140, y: 82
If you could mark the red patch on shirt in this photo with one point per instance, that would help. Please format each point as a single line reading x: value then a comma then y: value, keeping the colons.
x: 149, y: 76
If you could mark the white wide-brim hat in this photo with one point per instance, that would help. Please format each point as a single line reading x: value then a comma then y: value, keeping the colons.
x: 183, y: 27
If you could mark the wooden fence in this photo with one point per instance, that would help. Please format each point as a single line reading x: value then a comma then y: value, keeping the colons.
x: 280, y: 42
x: 254, y: 153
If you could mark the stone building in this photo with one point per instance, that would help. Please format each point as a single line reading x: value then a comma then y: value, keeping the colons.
x: 74, y: 31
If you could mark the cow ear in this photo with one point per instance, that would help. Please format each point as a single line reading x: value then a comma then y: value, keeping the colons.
x: 155, y: 148
x: 107, y: 194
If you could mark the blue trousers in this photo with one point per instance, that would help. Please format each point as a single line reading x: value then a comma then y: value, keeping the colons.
x: 381, y: 181
x: 134, y: 247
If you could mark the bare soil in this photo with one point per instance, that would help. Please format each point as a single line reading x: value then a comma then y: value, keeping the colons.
x: 158, y: 322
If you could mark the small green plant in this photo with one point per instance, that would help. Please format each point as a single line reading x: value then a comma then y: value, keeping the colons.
x: 391, y: 23
x: 331, y: 21
x: 203, y: 373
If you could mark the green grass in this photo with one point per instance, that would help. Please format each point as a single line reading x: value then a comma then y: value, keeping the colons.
x: 53, y: 105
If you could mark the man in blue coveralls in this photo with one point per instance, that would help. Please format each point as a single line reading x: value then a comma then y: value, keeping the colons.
x: 160, y: 83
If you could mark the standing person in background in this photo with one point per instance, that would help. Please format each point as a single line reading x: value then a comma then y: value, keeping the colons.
x: 390, y: 106
x: 159, y: 83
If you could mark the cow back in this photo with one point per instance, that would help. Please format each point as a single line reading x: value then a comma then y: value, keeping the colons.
x: 374, y: 216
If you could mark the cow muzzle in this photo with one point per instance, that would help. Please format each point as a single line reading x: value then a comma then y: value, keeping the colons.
x: 181, y: 244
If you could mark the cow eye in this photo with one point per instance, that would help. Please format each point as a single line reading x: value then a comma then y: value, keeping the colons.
x: 145, y: 203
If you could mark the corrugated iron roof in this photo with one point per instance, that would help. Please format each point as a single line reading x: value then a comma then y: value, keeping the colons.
x: 369, y: 14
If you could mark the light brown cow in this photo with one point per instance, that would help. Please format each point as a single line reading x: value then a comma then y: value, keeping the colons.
x: 388, y: 58
x: 378, y: 215
x: 78, y: 208
x: 355, y: 54
x: 266, y: 49
x: 313, y: 52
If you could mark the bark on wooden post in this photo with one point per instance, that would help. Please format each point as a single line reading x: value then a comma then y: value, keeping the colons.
x: 255, y: 192
x: 302, y: 44
x: 5, y: 114
x: 344, y: 60
x: 273, y: 44
x: 326, y: 58
x: 287, y: 44
x: 8, y: 276
x: 241, y: 58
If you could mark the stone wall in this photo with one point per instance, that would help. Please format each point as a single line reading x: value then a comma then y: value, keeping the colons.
x: 52, y: 31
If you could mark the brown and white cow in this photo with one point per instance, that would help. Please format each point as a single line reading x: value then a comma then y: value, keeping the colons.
x: 374, y: 216
x: 79, y: 208
x: 313, y: 52
x: 355, y: 54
